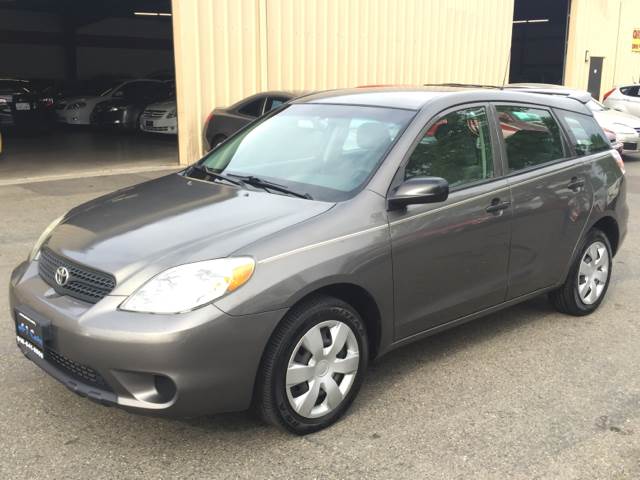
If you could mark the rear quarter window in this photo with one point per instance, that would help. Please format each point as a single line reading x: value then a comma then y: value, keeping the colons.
x: 629, y: 91
x: 585, y: 134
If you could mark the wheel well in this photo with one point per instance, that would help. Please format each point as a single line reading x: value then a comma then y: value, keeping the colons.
x: 364, y: 304
x: 609, y: 227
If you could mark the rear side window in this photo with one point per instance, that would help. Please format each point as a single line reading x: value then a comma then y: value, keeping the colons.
x: 586, y: 135
x: 457, y: 147
x: 531, y: 135
x: 274, y: 102
x: 629, y: 91
x: 253, y: 109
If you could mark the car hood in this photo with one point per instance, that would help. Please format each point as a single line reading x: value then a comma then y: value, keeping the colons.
x: 166, y: 105
x: 608, y: 118
x: 140, y: 231
x: 89, y: 100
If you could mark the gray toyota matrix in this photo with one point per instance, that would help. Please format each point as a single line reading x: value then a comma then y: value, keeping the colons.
x: 336, y: 228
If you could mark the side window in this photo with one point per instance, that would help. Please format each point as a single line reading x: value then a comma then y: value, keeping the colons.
x: 253, y: 109
x: 586, y: 136
x: 457, y: 147
x: 274, y: 102
x: 629, y: 91
x: 531, y: 135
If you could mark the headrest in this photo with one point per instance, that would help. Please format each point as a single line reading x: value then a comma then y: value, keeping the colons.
x: 372, y: 135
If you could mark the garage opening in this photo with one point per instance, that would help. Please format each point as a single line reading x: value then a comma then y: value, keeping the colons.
x: 539, y: 40
x: 86, y: 87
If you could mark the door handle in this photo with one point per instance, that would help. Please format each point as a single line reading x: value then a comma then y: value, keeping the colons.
x: 497, y: 206
x: 576, y: 184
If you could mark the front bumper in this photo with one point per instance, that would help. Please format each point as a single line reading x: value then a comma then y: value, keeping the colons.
x: 168, y: 126
x: 190, y: 364
x: 630, y: 142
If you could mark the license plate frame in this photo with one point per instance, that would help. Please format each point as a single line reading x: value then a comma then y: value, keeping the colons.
x: 31, y: 333
x: 23, y: 106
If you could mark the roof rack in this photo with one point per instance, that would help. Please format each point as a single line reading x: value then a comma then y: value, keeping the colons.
x: 463, y: 85
x: 578, y: 95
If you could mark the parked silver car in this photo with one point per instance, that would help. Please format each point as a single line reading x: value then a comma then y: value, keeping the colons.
x: 321, y: 236
x: 161, y: 117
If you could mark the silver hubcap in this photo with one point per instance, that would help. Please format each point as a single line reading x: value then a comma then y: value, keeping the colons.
x: 593, y: 273
x: 322, y: 369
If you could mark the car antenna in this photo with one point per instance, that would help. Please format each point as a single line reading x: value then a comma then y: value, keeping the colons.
x: 506, y: 70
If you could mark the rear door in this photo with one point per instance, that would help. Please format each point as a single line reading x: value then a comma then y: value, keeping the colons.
x: 450, y: 258
x: 551, y: 196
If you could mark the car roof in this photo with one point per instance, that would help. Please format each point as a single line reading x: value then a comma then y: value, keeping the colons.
x: 416, y: 98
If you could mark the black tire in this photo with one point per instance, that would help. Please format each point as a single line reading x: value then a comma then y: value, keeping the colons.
x: 272, y: 402
x: 566, y: 299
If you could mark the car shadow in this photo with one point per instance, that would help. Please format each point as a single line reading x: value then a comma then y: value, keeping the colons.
x: 402, y: 361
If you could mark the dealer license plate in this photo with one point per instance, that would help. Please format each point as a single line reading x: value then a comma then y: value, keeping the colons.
x: 30, y: 334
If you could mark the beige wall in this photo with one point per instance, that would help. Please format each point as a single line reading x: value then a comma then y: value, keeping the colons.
x: 228, y: 49
x: 604, y: 28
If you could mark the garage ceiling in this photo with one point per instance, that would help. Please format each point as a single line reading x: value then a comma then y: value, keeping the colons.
x: 83, y: 12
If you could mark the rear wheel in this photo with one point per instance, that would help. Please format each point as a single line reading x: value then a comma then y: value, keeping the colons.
x: 313, y: 367
x: 588, y: 279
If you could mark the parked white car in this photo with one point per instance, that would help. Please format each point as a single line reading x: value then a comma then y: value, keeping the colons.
x: 77, y: 110
x: 160, y: 117
x: 624, y: 126
x: 624, y: 99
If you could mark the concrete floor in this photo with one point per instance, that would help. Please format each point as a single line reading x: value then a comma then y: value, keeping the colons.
x: 525, y: 393
x: 81, y: 151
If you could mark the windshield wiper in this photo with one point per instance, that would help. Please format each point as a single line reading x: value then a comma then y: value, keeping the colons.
x: 267, y: 185
x: 212, y: 173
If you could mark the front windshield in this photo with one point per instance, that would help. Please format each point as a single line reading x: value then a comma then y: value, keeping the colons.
x: 324, y: 151
x: 595, y: 106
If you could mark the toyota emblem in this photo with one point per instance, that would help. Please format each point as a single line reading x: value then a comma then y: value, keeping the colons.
x: 62, y: 276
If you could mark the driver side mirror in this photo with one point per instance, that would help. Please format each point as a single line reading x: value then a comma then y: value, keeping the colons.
x: 419, y: 190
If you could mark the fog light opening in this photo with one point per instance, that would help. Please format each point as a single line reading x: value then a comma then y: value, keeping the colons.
x: 165, y: 387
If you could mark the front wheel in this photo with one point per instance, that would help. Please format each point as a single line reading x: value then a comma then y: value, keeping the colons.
x: 314, y: 366
x: 588, y: 280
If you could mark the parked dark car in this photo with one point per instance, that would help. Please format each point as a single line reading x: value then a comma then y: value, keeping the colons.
x: 325, y: 234
x: 125, y: 109
x: 224, y: 122
x: 19, y: 104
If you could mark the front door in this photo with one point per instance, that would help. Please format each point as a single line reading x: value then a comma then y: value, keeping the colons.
x: 450, y: 258
x: 595, y: 76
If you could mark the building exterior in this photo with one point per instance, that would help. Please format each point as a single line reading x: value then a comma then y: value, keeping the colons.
x: 228, y: 49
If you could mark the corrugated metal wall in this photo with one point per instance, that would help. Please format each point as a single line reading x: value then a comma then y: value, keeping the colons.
x: 604, y: 28
x: 228, y: 49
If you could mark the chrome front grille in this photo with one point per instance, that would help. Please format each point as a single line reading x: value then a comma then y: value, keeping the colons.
x: 83, y: 283
x: 153, y: 113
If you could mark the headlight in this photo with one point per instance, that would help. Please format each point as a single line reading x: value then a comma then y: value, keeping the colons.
x: 35, y: 251
x: 116, y: 109
x: 172, y: 114
x: 184, y: 288
x: 77, y: 106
